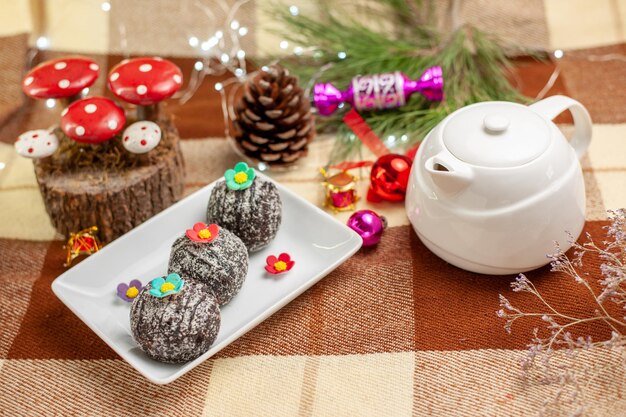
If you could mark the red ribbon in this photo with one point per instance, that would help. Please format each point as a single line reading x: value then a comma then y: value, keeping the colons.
x: 365, y: 133
x: 348, y: 165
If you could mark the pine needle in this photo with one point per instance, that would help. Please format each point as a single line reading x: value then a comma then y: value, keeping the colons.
x: 474, y: 67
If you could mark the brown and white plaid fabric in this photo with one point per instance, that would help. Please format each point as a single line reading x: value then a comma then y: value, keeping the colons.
x: 394, y: 331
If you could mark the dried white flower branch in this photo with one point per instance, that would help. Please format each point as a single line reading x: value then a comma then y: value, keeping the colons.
x: 552, y: 360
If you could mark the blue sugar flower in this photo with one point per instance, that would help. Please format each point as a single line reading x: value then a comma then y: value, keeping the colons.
x: 172, y: 284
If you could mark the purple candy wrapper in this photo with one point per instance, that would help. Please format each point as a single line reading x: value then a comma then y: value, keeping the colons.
x: 379, y: 91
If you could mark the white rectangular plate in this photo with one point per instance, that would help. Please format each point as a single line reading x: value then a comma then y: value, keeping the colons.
x: 317, y: 242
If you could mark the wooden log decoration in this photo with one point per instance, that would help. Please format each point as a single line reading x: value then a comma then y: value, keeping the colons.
x: 108, y: 187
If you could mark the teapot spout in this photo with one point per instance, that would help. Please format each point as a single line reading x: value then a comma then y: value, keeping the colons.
x: 448, y: 174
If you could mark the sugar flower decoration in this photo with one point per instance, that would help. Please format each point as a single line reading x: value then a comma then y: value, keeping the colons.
x: 240, y: 177
x: 128, y: 292
x: 279, y: 265
x: 203, y: 233
x: 172, y: 284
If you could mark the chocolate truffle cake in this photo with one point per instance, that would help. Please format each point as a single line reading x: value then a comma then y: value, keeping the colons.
x: 174, y: 320
x: 212, y: 255
x: 247, y: 205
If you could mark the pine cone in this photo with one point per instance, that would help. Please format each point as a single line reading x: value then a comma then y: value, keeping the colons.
x: 273, y: 121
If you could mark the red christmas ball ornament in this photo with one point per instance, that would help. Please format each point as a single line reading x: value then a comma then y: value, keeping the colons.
x: 390, y: 177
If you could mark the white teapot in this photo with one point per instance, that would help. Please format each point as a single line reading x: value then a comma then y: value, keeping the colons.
x: 495, y: 184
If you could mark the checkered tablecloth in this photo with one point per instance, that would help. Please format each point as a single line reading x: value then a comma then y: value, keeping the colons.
x: 394, y: 331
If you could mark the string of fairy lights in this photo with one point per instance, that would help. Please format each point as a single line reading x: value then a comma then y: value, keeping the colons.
x: 223, y: 53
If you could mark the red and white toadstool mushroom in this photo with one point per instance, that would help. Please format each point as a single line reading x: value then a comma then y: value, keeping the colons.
x: 145, y: 82
x: 141, y: 137
x: 92, y: 120
x: 61, y: 78
x: 36, y: 144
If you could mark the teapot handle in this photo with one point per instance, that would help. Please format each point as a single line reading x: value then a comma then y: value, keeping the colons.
x: 552, y: 106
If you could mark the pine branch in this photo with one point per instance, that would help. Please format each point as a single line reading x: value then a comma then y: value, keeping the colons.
x: 474, y: 66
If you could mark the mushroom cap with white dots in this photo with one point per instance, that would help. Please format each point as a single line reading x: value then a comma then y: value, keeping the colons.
x: 92, y: 120
x: 145, y: 81
x: 60, y: 78
x: 141, y: 137
x: 37, y: 144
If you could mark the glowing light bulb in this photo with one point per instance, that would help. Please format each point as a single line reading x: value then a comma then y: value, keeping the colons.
x: 193, y: 41
x: 105, y: 6
x: 85, y: 91
x: 50, y: 103
x: 239, y: 72
x: 294, y: 10
x: 284, y: 44
x: 264, y: 67
x: 298, y: 50
x: 198, y: 66
x: 262, y: 166
x: 42, y: 42
x: 342, y: 55
x: 2, y: 165
x: 243, y: 31
x: 391, y: 139
x: 224, y: 58
x: 234, y: 25
x: 209, y: 43
x: 241, y: 54
x: 404, y: 138
x: 558, y: 54
x: 219, y: 86
x: 219, y: 34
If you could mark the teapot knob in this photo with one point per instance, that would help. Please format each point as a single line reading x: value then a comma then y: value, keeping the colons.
x: 494, y: 123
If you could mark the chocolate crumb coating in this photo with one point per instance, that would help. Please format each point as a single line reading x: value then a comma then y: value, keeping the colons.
x: 253, y: 214
x: 221, y: 264
x: 178, y: 327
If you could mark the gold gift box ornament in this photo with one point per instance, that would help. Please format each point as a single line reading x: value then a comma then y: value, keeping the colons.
x: 341, y: 193
x: 84, y: 242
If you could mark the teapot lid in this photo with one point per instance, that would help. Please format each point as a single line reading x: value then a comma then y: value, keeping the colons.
x: 496, y: 134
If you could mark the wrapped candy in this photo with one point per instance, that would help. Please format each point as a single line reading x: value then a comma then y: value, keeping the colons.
x: 379, y: 91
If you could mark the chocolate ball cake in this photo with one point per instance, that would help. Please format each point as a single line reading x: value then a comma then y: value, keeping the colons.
x: 247, y: 205
x: 213, y: 256
x: 173, y: 326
